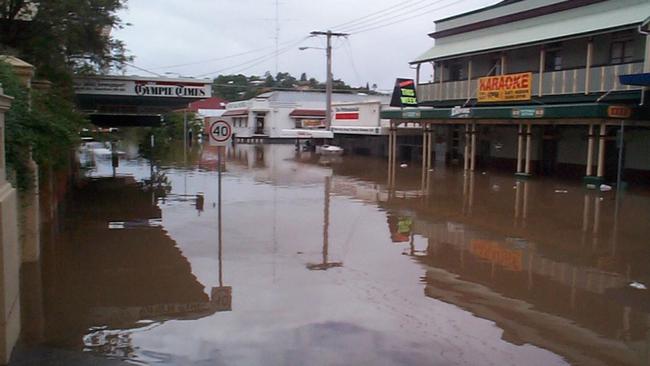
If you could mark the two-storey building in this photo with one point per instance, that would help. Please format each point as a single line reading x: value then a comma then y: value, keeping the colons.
x: 534, y: 86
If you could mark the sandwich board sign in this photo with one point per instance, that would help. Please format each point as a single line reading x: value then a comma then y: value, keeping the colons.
x: 220, y: 133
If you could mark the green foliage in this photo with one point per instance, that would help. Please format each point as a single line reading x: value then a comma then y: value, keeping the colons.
x: 169, y: 132
x: 49, y: 127
x: 60, y: 37
x: 242, y: 87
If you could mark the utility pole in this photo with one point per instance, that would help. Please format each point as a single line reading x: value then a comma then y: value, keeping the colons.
x: 328, y: 84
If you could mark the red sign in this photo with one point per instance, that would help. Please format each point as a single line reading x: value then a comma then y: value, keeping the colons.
x: 347, y: 116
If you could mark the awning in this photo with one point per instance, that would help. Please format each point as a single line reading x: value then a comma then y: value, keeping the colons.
x: 635, y: 79
x: 235, y: 112
x: 306, y: 134
x: 302, y: 113
x: 574, y: 112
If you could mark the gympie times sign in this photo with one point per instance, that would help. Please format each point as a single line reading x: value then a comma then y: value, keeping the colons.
x: 505, y: 87
x: 174, y: 90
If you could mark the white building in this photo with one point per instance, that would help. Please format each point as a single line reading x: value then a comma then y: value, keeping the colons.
x: 284, y: 114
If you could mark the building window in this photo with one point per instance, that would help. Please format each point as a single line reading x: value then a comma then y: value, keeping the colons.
x: 495, y: 69
x: 457, y: 71
x: 553, y: 59
x: 621, y: 52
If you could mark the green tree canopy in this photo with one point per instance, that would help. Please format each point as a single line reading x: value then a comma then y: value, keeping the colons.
x: 60, y: 37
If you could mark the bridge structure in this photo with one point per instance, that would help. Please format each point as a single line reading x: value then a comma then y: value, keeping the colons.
x: 115, y: 101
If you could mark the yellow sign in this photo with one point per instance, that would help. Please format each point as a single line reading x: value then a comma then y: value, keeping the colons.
x: 619, y: 111
x: 504, y: 88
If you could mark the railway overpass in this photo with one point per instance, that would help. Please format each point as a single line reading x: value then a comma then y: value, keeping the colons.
x: 115, y: 101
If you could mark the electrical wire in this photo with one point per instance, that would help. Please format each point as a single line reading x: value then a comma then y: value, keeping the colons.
x: 257, y: 60
x: 408, y: 18
x: 380, y: 12
x: 392, y: 15
x: 348, y: 51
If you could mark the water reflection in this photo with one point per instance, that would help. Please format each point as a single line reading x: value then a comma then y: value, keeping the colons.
x: 334, y: 266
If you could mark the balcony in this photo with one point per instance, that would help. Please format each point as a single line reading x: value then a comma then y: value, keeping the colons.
x: 602, y: 79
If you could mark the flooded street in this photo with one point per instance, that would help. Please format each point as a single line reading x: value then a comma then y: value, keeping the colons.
x: 322, y: 264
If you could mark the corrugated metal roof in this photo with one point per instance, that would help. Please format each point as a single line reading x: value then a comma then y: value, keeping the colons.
x: 235, y: 112
x: 307, y: 113
x: 584, y: 20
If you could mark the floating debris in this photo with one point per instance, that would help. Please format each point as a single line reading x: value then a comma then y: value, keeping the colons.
x: 561, y: 191
x: 638, y: 286
x: 403, y: 165
x: 605, y: 188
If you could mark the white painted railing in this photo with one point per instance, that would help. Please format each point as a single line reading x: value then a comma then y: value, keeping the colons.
x: 574, y: 81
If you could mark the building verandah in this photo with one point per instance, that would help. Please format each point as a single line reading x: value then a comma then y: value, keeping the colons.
x: 568, y: 141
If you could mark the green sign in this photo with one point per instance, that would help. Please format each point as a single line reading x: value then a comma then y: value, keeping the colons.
x: 527, y: 112
x: 411, y: 114
x: 404, y: 94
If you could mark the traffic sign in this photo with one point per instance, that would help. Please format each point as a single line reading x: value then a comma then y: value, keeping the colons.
x: 220, y: 133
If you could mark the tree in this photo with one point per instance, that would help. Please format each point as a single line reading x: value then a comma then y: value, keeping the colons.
x: 303, y: 77
x: 61, y: 37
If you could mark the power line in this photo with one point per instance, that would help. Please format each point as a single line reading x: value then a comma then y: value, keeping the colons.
x: 348, y: 50
x: 257, y: 60
x: 143, y: 69
x: 396, y: 15
x: 372, y: 15
x: 363, y: 30
x: 409, y: 9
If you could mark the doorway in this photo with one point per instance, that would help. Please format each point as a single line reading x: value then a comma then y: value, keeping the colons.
x: 259, y: 124
x: 549, y: 151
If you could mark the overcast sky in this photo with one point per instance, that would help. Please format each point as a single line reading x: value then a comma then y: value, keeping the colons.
x: 204, y: 33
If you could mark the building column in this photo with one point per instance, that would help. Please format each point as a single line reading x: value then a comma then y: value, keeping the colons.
x: 425, y: 138
x: 390, y: 153
x: 469, y: 79
x: 473, y: 148
x: 590, y: 152
x: 9, y: 251
x: 590, y: 52
x: 520, y: 148
x: 600, y: 173
x: 467, y: 143
x: 542, y: 65
x: 529, y: 134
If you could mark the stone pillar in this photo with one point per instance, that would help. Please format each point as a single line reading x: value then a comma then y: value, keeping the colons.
x: 30, y: 225
x: 9, y: 252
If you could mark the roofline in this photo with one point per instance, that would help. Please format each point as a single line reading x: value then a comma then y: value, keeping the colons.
x: 520, y: 45
x: 144, y: 78
x: 493, y: 6
x: 515, y: 17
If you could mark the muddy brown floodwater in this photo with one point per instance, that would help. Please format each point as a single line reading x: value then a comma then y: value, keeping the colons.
x: 322, y: 264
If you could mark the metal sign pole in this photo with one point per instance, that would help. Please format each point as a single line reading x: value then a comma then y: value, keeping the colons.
x: 220, y: 160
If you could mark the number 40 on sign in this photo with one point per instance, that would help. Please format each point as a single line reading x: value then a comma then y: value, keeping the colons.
x: 220, y: 133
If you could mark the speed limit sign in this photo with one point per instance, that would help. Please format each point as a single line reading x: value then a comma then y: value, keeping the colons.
x: 220, y: 133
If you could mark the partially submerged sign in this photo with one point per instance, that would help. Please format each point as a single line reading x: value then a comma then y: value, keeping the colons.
x: 404, y: 94
x: 505, y: 88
